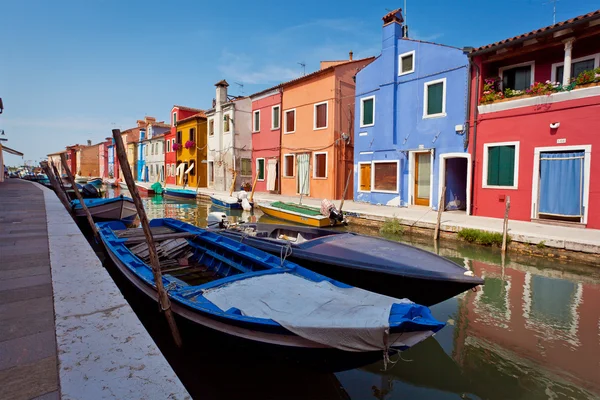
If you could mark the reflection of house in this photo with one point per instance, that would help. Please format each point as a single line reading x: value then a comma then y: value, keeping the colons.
x: 534, y: 140
x: 191, y: 134
x: 547, y: 320
x: 177, y: 113
x: 409, y: 116
x: 229, y: 139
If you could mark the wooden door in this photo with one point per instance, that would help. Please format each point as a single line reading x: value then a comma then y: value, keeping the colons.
x: 365, y: 177
x: 422, y: 185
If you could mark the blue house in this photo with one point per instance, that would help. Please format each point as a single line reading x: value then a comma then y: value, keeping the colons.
x: 111, y: 159
x: 410, y: 120
x: 142, y: 149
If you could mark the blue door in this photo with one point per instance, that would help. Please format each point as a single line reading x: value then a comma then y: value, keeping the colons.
x: 561, y: 184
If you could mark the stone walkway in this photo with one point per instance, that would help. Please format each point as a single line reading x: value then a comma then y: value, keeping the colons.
x: 28, y: 355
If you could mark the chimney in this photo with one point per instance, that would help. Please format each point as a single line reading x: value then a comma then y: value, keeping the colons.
x: 350, y: 55
x: 221, y: 92
x: 89, y: 142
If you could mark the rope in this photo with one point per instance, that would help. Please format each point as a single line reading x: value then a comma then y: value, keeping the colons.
x: 288, y: 252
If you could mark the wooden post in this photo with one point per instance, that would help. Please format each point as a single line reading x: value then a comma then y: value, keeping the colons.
x: 505, y: 226
x: 253, y: 187
x: 232, y: 183
x: 345, y: 190
x: 163, y: 298
x: 62, y: 196
x: 65, y: 165
x: 436, y: 233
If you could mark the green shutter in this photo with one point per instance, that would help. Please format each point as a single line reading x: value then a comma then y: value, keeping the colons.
x: 367, y: 117
x: 493, y: 163
x: 501, y: 166
x: 435, y: 98
x: 261, y: 169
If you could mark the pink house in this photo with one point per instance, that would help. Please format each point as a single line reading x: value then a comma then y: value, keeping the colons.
x: 266, y: 139
x: 103, y: 158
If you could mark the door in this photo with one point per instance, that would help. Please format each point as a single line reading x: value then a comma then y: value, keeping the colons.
x: 272, y: 174
x: 302, y: 180
x: 365, y: 177
x: 561, y: 185
x: 422, y: 178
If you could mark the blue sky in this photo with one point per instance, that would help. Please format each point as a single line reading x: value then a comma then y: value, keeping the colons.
x: 73, y: 70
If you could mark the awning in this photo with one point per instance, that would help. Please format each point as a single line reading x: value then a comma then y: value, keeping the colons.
x: 187, y: 171
x: 11, y: 151
x: 180, y: 168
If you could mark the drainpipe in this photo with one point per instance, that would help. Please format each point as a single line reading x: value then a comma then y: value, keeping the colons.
x: 475, y: 120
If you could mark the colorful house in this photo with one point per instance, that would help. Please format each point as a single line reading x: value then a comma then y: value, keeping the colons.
x: 191, y: 168
x: 409, y: 115
x: 141, y: 153
x: 266, y: 139
x: 316, y: 142
x: 229, y: 140
x: 130, y: 139
x: 113, y: 161
x: 534, y: 118
x: 155, y: 158
x: 103, y: 157
x: 177, y: 113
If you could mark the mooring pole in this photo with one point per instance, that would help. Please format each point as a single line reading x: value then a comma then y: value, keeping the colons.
x: 345, y: 190
x: 253, y: 187
x: 436, y: 233
x: 65, y: 165
x: 505, y: 226
x: 163, y: 298
x: 62, y: 196
x: 233, y: 183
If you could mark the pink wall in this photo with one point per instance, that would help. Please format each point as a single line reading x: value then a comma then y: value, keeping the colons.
x: 267, y: 142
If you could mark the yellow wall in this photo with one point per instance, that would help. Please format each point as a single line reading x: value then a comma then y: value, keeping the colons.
x: 187, y: 155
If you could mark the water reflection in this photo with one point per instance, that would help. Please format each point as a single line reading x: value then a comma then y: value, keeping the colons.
x: 532, y: 332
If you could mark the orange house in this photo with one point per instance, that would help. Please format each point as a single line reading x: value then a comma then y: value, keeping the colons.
x: 317, y: 131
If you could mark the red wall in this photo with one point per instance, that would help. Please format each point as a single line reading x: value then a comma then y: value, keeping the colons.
x: 267, y: 142
x: 579, y: 122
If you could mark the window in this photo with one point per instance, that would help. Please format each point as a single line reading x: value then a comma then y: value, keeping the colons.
x: 434, y: 100
x: 145, y: 149
x: 168, y: 146
x: 320, y: 165
x: 500, y: 164
x: 256, y: 121
x: 174, y: 118
x: 367, y: 111
x: 211, y: 127
x: 246, y: 167
x: 260, y: 168
x: 226, y: 123
x: 517, y: 77
x: 406, y: 63
x: 364, y: 177
x: 320, y: 116
x: 288, y: 165
x: 193, y: 134
x: 290, y: 121
x: 178, y: 137
x: 211, y: 172
x: 577, y: 66
x: 275, y: 110
x: 193, y: 169
x: 385, y: 176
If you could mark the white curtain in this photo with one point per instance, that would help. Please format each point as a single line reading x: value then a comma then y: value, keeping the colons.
x: 303, y: 173
x: 271, y: 173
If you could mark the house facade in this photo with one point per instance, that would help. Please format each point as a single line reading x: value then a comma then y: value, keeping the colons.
x: 410, y: 118
x: 141, y: 153
x: 191, y: 166
x: 177, y: 113
x: 113, y: 161
x: 54, y: 158
x: 317, y: 131
x: 88, y: 161
x: 535, y: 105
x: 229, y: 140
x: 266, y: 140
x: 103, y: 158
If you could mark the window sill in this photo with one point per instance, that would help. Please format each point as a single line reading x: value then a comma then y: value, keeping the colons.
x: 275, y: 129
x: 287, y: 133
x: 319, y: 129
x: 289, y: 177
x: 322, y: 178
x: 406, y: 73
x: 363, y: 191
x: 500, y: 187
x: 385, y: 191
x: 366, y: 126
x: 433, y: 116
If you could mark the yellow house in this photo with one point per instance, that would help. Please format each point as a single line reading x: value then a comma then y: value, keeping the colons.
x: 191, y: 140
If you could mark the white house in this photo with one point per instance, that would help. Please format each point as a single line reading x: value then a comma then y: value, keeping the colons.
x: 155, y: 151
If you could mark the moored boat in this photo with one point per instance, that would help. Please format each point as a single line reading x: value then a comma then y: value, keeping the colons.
x: 180, y: 193
x: 241, y: 291
x: 372, y: 263
x: 115, y: 209
x: 123, y: 185
x: 230, y: 202
x: 95, y: 181
x: 300, y: 214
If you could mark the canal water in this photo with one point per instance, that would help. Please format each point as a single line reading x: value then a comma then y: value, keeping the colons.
x: 532, y: 332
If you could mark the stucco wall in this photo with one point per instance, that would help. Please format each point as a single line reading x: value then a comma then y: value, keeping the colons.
x: 89, y: 165
x: 266, y: 143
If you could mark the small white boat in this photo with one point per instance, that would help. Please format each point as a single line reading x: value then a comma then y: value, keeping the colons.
x: 116, y: 209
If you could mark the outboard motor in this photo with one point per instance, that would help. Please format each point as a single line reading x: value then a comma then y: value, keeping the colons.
x: 329, y: 210
x: 89, y: 191
x: 216, y: 220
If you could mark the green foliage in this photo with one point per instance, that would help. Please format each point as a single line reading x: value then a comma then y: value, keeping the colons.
x: 482, y: 237
x: 541, y: 245
x: 392, y: 226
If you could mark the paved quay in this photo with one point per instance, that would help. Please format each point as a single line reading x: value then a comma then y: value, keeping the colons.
x: 66, y: 332
x: 552, y: 236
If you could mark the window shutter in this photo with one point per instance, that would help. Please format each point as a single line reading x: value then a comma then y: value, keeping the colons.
x: 493, y: 165
x: 290, y: 121
x: 321, y: 117
x: 506, y: 165
x: 365, y: 177
x: 435, y: 100
x: 367, y: 112
x: 261, y: 169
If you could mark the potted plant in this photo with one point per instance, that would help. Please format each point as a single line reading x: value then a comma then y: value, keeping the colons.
x: 176, y: 146
x: 190, y: 144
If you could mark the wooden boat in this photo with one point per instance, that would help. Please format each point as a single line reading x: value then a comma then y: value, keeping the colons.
x: 230, y: 202
x: 298, y: 213
x: 95, y: 181
x: 80, y: 180
x: 144, y: 189
x: 180, y: 193
x: 241, y: 291
x: 372, y: 263
x: 110, y: 182
x: 115, y: 209
x: 123, y: 185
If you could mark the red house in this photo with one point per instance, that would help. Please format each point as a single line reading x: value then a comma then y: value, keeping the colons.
x: 177, y: 113
x: 266, y: 139
x: 534, y: 118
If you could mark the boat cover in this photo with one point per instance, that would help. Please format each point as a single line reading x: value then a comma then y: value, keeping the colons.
x: 350, y: 319
x: 299, y: 208
x: 98, y: 202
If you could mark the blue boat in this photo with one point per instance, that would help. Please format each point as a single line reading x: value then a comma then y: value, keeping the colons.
x: 95, y: 182
x: 229, y: 202
x: 246, y: 293
x: 116, y: 209
x: 180, y: 193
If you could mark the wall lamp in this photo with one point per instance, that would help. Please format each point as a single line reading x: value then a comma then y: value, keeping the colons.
x: 554, y: 125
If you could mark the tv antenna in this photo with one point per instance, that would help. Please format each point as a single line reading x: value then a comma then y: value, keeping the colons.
x: 553, y: 2
x: 241, y: 85
x: 303, y: 65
